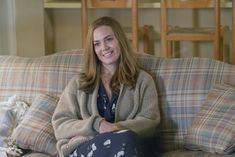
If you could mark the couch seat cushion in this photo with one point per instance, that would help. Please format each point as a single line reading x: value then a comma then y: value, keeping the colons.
x: 189, y: 153
x: 35, y: 132
x: 37, y: 155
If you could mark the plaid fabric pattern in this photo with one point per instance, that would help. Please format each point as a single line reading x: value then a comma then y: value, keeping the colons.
x: 26, y: 77
x: 189, y: 153
x: 183, y: 85
x: 35, y: 132
x: 213, y: 128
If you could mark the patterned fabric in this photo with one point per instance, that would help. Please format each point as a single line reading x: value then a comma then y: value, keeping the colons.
x: 35, y: 132
x: 183, y: 84
x: 36, y: 155
x: 106, y: 108
x: 189, y: 153
x: 27, y: 77
x: 213, y: 128
x: 121, y: 143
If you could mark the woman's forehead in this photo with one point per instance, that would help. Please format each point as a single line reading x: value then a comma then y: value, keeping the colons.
x: 101, y: 32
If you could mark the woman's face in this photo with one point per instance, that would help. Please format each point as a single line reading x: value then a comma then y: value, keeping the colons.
x: 106, y: 46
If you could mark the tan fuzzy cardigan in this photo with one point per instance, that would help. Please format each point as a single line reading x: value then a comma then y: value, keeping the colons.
x: 77, y: 117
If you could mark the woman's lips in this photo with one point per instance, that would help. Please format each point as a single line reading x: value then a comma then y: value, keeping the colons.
x: 107, y: 54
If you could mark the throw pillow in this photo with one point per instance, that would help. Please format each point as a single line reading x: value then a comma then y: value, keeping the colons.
x: 35, y: 132
x: 213, y: 128
x: 11, y: 113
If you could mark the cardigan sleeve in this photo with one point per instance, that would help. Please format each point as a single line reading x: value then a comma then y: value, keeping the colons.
x: 67, y: 120
x: 70, y: 125
x: 146, y: 117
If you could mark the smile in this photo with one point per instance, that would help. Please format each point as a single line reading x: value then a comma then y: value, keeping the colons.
x: 107, y: 54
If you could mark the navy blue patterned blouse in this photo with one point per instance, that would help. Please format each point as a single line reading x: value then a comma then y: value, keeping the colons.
x: 106, y: 108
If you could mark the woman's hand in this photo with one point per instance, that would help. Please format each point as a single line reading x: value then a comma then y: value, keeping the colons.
x: 107, y: 127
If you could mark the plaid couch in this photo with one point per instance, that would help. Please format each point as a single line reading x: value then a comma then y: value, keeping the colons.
x: 182, y: 84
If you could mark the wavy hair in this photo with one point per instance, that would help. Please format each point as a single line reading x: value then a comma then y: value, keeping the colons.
x: 127, y: 69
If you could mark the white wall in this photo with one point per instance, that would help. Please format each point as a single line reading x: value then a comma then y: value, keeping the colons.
x: 22, y: 28
x: 30, y: 28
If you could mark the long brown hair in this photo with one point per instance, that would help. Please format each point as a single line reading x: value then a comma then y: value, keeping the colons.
x: 127, y: 70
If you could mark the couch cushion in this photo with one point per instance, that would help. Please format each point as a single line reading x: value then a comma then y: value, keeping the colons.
x: 183, y: 84
x: 26, y: 77
x: 37, y: 155
x: 188, y: 153
x: 35, y: 132
x: 213, y: 128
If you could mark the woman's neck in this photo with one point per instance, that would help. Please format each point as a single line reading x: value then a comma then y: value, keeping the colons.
x: 106, y: 77
x: 108, y: 69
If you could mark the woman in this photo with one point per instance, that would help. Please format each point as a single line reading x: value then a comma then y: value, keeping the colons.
x: 111, y: 103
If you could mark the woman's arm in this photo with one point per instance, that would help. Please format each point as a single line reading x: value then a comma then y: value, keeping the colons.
x: 67, y: 120
x: 146, y: 116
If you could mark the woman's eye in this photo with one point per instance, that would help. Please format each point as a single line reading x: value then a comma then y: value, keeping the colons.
x: 96, y: 44
x: 109, y: 39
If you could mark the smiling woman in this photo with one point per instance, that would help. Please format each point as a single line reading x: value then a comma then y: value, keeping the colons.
x: 103, y: 109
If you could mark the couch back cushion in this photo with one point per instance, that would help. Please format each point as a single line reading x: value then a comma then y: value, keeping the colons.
x: 26, y: 77
x: 183, y: 85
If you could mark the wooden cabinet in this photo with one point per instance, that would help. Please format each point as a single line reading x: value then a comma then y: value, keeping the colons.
x: 62, y: 4
x: 63, y: 22
x: 77, y: 3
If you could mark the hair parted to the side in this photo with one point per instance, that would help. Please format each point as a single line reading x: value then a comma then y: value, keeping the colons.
x: 127, y: 70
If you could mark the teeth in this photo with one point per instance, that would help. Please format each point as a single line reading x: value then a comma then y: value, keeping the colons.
x: 107, y: 54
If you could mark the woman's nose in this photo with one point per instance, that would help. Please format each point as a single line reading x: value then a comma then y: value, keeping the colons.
x: 104, y: 46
